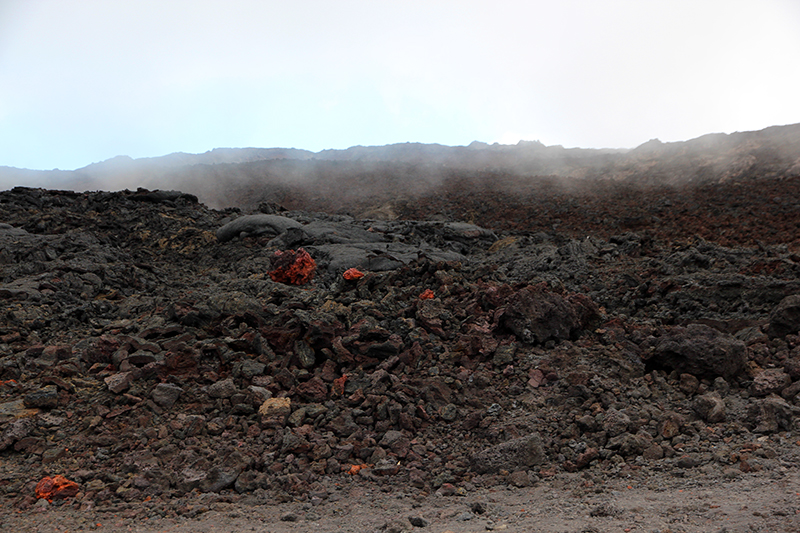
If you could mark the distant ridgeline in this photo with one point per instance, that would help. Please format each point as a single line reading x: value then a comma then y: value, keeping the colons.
x: 245, y: 177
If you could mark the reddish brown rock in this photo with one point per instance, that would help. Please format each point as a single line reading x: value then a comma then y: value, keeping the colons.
x: 586, y: 457
x: 653, y: 452
x: 670, y: 425
x: 314, y: 390
x: 119, y: 382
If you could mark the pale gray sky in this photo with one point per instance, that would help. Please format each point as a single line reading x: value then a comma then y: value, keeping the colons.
x: 85, y: 80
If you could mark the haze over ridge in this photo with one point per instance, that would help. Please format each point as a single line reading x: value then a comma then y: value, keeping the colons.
x: 85, y: 81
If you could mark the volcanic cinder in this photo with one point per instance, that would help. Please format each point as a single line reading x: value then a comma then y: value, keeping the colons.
x: 507, y: 334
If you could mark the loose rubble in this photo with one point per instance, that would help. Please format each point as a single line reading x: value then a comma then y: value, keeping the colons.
x: 149, y: 351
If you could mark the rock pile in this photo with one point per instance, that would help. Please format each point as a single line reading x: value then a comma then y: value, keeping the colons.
x: 146, y: 352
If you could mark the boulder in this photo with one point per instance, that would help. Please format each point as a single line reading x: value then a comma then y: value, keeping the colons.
x: 785, y: 318
x: 166, y: 394
x: 769, y: 381
x: 45, y: 398
x: 536, y: 315
x: 700, y: 350
x: 513, y: 455
x: 710, y: 407
x: 222, y: 389
x: 773, y: 414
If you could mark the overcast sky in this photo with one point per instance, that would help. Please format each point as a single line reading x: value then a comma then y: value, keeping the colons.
x: 82, y: 81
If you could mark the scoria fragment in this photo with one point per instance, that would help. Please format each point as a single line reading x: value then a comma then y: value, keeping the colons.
x: 56, y: 488
x: 352, y: 274
x: 293, y: 267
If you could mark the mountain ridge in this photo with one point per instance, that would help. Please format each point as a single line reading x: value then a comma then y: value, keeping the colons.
x: 225, y: 177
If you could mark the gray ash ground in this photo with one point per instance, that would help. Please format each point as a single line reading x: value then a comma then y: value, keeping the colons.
x: 548, y: 379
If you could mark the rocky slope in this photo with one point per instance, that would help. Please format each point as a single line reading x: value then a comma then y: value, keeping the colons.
x: 147, y: 354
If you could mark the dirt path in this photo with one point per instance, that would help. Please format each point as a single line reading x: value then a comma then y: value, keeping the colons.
x: 768, y: 502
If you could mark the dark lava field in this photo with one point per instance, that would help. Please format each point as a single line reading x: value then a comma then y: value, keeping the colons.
x: 498, y: 334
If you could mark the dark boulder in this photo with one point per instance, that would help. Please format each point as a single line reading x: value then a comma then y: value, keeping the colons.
x: 523, y: 452
x: 700, y: 350
x: 537, y: 315
x: 785, y: 318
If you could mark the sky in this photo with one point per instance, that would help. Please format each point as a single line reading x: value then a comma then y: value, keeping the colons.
x: 82, y: 81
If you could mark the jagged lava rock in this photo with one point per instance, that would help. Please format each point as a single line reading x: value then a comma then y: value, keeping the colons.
x: 119, y: 382
x: 166, y: 394
x: 785, y: 318
x: 46, y: 398
x: 363, y: 371
x: 512, y: 455
x: 222, y: 389
x: 701, y: 350
x: 537, y: 315
x: 769, y: 381
x: 710, y: 407
x: 15, y: 431
x: 294, y: 267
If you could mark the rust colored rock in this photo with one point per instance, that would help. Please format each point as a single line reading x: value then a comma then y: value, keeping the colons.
x: 338, y: 385
x: 427, y: 294
x: 56, y: 488
x: 352, y: 274
x: 293, y: 267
